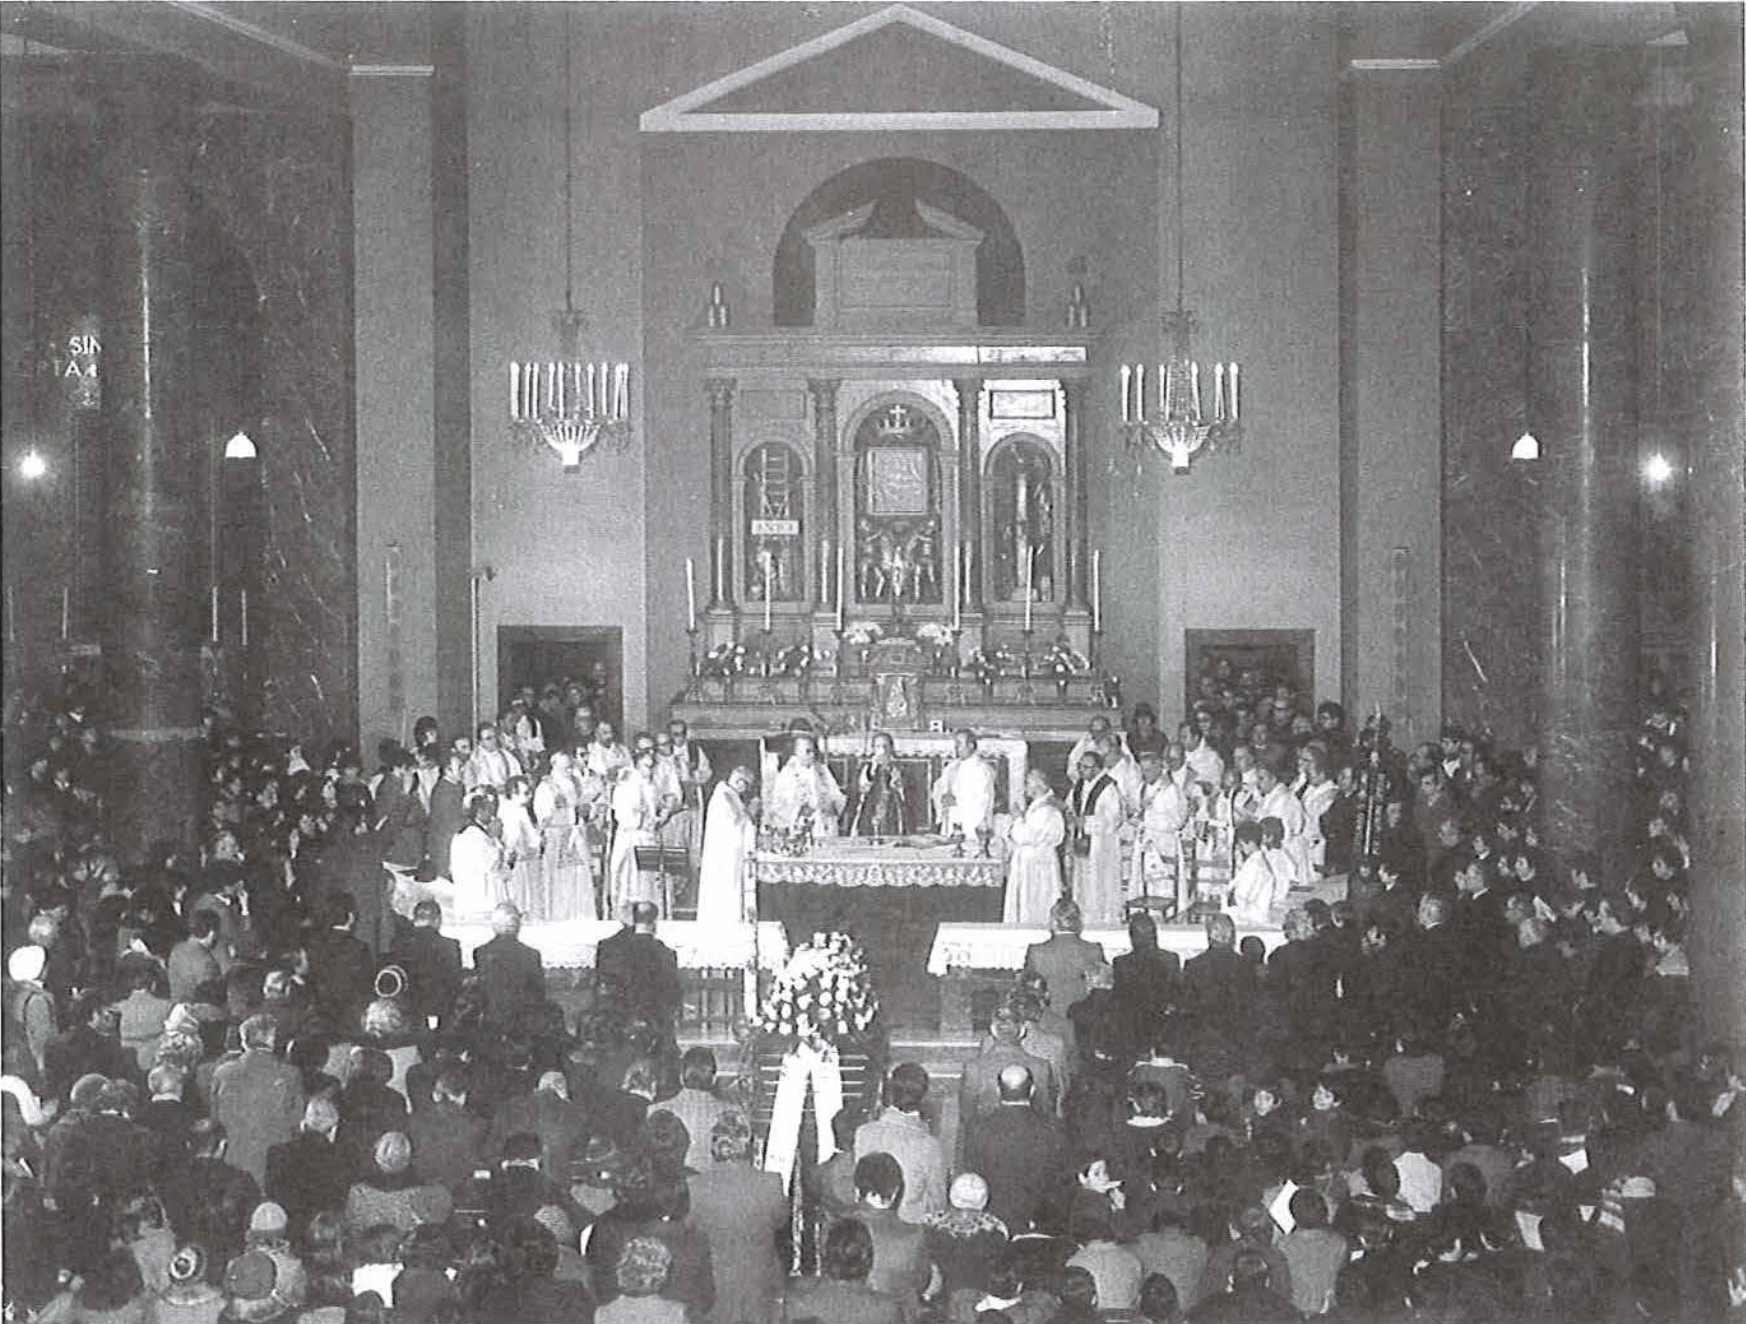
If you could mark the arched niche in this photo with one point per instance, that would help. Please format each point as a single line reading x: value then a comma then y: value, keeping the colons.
x: 892, y: 186
x: 899, y: 508
x: 1021, y: 487
x: 773, y: 530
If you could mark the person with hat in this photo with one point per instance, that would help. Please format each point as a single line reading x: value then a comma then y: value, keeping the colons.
x: 391, y: 1194
x: 30, y: 1013
x: 965, y: 1242
x: 741, y: 1210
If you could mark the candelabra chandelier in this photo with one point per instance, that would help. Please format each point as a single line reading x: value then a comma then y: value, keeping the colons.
x: 1183, y: 425
x: 569, y: 404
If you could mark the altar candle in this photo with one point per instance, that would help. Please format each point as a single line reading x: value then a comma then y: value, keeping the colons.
x: 1023, y: 507
x: 1030, y: 569
x: 841, y: 550
x: 1235, y: 411
x: 623, y: 391
x: 1127, y: 385
x: 214, y: 613
x: 245, y: 618
x: 514, y: 392
x: 1139, y: 393
x: 1219, y: 391
x: 824, y: 571
x: 1096, y: 590
x: 768, y: 589
x: 690, y: 595
x: 66, y: 611
x: 1194, y: 386
x: 958, y: 593
x: 591, y: 411
x: 563, y: 370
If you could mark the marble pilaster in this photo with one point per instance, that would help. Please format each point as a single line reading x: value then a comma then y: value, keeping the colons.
x: 720, y: 391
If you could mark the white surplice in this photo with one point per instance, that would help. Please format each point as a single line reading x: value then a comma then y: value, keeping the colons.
x: 729, y: 837
x: 1033, y: 872
x: 970, y: 783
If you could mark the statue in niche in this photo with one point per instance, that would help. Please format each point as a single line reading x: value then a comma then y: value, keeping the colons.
x: 897, y: 522
x: 1023, y: 499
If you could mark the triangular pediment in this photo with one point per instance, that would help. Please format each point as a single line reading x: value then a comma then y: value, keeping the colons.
x: 898, y: 69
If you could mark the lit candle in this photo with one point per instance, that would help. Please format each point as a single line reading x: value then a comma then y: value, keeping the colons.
x: 622, y: 404
x: 245, y: 618
x: 1030, y: 569
x: 1236, y: 411
x: 769, y: 589
x: 1194, y: 387
x: 66, y: 611
x: 690, y: 595
x: 591, y: 407
x: 841, y: 557
x: 1127, y: 385
x: 1139, y: 393
x: 214, y: 629
x: 514, y: 392
x: 1219, y: 391
x: 1096, y: 590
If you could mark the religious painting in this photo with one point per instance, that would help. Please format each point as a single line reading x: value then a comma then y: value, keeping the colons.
x: 1021, y: 520
x: 897, y: 507
x: 1247, y: 665
x: 774, y: 507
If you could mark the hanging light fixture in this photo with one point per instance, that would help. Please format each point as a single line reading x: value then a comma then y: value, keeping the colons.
x: 569, y: 404
x: 1185, y: 422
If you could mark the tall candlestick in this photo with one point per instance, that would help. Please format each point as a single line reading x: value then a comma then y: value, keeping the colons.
x: 245, y: 618
x: 11, y: 616
x: 957, y: 589
x: 515, y: 392
x: 1139, y: 393
x: 690, y: 595
x: 721, y: 569
x: 1127, y: 385
x: 1194, y: 387
x: 769, y: 588
x: 1022, y: 505
x: 66, y: 612
x: 215, y: 613
x: 842, y: 549
x: 969, y: 560
x: 824, y: 571
x: 1030, y: 569
x: 593, y: 408
x: 1236, y: 412
x: 1096, y: 589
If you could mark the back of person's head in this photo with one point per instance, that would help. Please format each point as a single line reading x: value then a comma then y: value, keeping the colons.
x: 1158, y: 1299
x: 1088, y: 1217
x: 644, y: 1267
x: 880, y: 1176
x: 427, y: 914
x: 848, y: 1248
x: 697, y: 1069
x: 1014, y: 1083
x: 1221, y: 931
x: 1078, y: 1287
x: 730, y: 1138
x: 640, y: 1077
x: 259, y: 1032
x: 644, y: 914
x: 533, y: 1251
x: 505, y: 920
x: 1249, y: 1271
x: 377, y: 1244
x: 1142, y: 930
x: 393, y: 1153
x: 907, y: 1089
x: 1308, y: 1208
x: 204, y: 925
x: 1066, y: 917
x: 112, y: 1282
x: 1252, y: 949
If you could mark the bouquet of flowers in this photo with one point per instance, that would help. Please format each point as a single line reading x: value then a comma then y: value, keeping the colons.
x: 988, y: 665
x: 794, y: 841
x: 934, y: 634
x: 723, y: 660
x: 862, y: 634
x: 796, y: 659
x: 824, y: 993
x: 1063, y: 660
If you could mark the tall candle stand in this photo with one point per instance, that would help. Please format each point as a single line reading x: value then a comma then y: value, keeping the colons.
x: 764, y: 649
x: 1096, y: 650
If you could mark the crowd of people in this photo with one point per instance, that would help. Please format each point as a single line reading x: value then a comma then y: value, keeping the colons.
x: 242, y: 1082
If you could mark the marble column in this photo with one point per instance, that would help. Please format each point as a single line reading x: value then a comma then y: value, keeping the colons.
x: 1717, y: 446
x: 150, y: 615
x: 970, y: 482
x: 720, y: 391
x: 1078, y: 498
x: 1582, y: 405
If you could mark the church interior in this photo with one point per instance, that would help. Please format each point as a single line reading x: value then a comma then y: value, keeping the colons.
x: 885, y: 368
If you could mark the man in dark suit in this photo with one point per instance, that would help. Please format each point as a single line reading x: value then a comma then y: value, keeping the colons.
x: 342, y: 968
x: 901, y: 1268
x: 309, y: 1174
x: 512, y: 978
x: 431, y: 961
x: 642, y: 968
x: 350, y: 864
x: 449, y: 1141
x: 1146, y: 977
x: 1019, y: 1151
x: 1064, y: 958
x: 979, y: 1088
x: 1218, y: 987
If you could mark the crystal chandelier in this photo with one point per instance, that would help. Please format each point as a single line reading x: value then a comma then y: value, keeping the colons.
x: 569, y: 404
x: 1186, y: 421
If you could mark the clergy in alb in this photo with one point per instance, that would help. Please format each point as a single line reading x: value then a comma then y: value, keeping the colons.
x: 1033, y: 872
x: 1095, y: 813
x: 729, y: 837
x: 964, y: 794
x: 805, y: 785
x: 636, y: 819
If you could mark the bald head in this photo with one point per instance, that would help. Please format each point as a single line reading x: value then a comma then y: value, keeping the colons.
x: 1014, y: 1083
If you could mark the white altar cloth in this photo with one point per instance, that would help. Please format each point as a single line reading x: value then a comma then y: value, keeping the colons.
x: 571, y: 944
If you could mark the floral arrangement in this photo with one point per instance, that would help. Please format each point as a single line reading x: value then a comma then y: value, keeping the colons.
x: 862, y: 634
x: 723, y: 660
x: 824, y: 993
x: 1063, y: 660
x: 796, y: 659
x: 934, y: 634
x: 794, y: 841
x: 987, y: 665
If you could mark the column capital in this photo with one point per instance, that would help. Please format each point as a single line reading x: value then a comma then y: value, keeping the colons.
x: 720, y: 391
x: 824, y: 389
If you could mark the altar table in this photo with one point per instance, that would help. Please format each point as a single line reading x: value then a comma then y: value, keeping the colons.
x: 571, y: 944
x: 897, y: 862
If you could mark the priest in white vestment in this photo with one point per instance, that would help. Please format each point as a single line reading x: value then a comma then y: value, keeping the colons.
x: 1033, y: 872
x: 1204, y: 763
x: 729, y: 838
x: 964, y: 794
x: 805, y: 783
x: 1277, y: 801
x: 476, y: 860
x: 1165, y: 812
x: 1094, y: 815
x: 1265, y: 873
x: 635, y: 820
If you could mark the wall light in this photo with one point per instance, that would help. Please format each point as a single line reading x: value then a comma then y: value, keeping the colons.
x: 1657, y: 470
x: 240, y: 447
x: 1527, y: 447
x: 32, y: 466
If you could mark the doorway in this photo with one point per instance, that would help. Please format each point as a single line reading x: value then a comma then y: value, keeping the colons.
x: 542, y: 655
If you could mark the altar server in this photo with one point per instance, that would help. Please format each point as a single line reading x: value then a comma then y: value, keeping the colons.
x: 964, y: 794
x: 635, y: 820
x: 1277, y: 801
x: 1165, y: 811
x: 1264, y: 872
x: 805, y: 784
x: 729, y: 837
x: 1033, y: 875
x: 1094, y: 812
